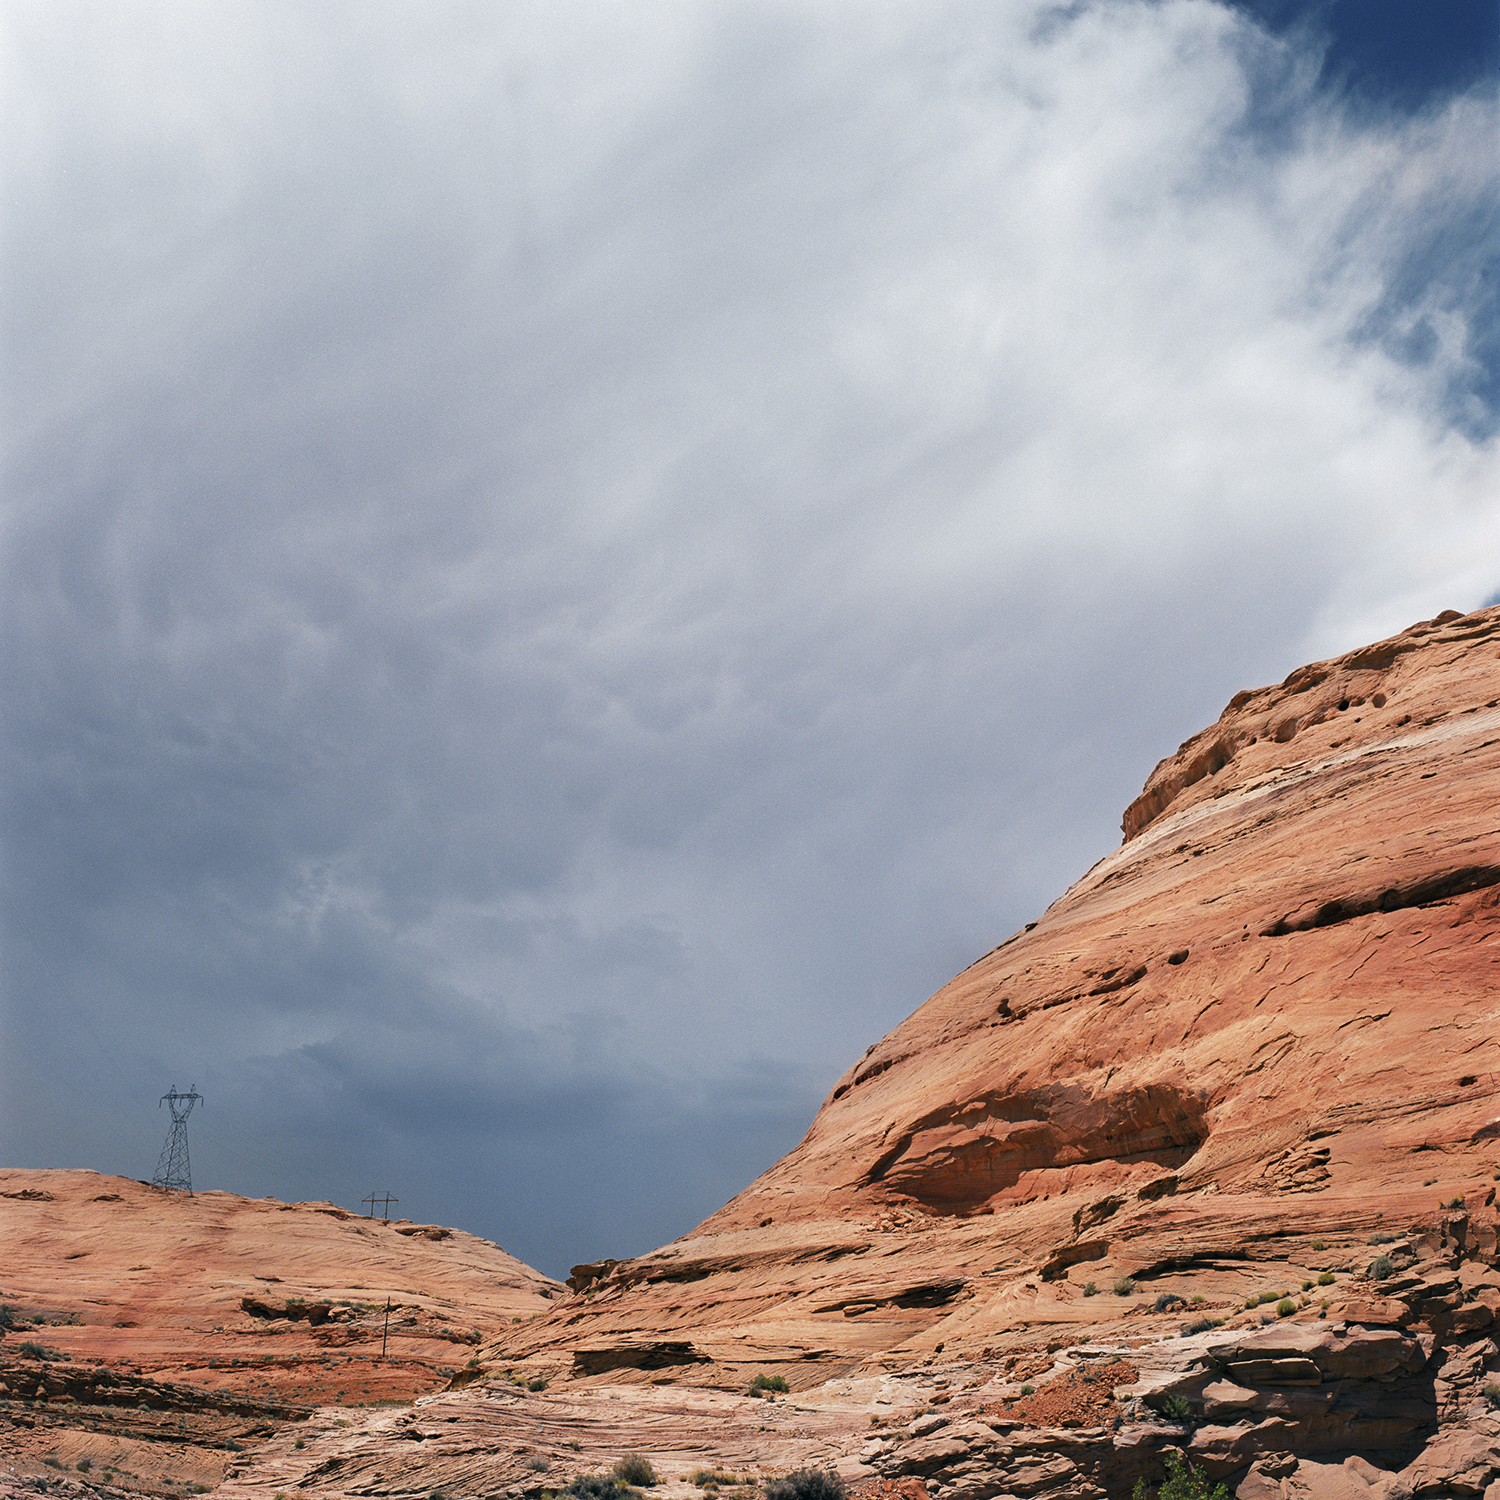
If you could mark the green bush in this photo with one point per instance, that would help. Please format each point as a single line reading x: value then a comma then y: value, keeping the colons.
x: 595, y: 1487
x: 1307, y: 1286
x: 1198, y: 1325
x: 536, y: 1385
x: 84, y: 1465
x: 1285, y: 1308
x: 1090, y: 1290
x: 1196, y: 1299
x: 1381, y: 1267
x: 1383, y: 1239
x: 1166, y: 1301
x: 1124, y: 1287
x: 807, y: 1484
x: 1028, y: 1390
x: 1183, y: 1482
x: 635, y: 1468
x: 1325, y: 1278
x: 769, y: 1383
x: 1319, y: 1245
x: 1176, y: 1408
x: 1492, y: 1393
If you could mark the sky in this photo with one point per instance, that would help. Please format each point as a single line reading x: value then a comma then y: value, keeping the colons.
x: 564, y: 565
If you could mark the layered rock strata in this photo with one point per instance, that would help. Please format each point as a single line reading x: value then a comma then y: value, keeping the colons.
x: 1268, y: 1020
x: 1203, y: 1160
x: 148, y: 1336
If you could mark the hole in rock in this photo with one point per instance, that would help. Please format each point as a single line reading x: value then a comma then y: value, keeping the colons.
x: 655, y: 1356
x: 1421, y: 891
x: 962, y: 1155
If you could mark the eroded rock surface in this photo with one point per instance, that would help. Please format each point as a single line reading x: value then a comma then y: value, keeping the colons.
x: 1204, y: 1159
x: 1268, y: 1022
x: 151, y: 1330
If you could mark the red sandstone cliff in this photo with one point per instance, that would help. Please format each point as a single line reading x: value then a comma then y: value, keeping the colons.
x: 1119, y: 1188
x: 1268, y: 1019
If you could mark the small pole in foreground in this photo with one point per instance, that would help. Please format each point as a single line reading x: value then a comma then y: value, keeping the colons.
x: 386, y: 1330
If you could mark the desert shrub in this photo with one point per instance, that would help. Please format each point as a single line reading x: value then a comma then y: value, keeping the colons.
x: 84, y: 1465
x: 1166, y: 1301
x: 536, y: 1385
x: 1307, y: 1286
x: 1492, y: 1393
x: 537, y: 1464
x: 300, y: 1443
x: 1176, y: 1408
x: 1458, y: 1202
x: 1383, y: 1238
x: 1198, y: 1325
x: 1090, y: 1290
x: 706, y: 1478
x: 1319, y: 1244
x: 1183, y: 1482
x: 35, y: 1350
x: 1028, y: 1390
x: 1124, y: 1287
x: 1381, y: 1267
x: 1285, y: 1308
x: 595, y: 1487
x: 1195, y: 1299
x: 10, y: 1317
x: 769, y: 1383
x: 807, y: 1484
x: 1326, y: 1279
x: 635, y: 1468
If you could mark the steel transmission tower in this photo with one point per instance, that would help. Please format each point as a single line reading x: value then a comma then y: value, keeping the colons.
x: 173, y: 1171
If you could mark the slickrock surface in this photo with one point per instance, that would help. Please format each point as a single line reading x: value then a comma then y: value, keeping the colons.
x: 1205, y: 1159
x: 1271, y: 1018
x: 212, y: 1318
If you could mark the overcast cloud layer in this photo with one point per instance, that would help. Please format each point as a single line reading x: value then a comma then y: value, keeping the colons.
x: 563, y: 568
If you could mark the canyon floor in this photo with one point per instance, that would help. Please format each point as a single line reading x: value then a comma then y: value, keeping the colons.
x: 1204, y: 1159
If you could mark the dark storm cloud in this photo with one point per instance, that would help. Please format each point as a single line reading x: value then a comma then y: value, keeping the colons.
x: 563, y: 570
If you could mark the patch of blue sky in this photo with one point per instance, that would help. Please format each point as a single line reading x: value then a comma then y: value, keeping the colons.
x: 1401, y: 54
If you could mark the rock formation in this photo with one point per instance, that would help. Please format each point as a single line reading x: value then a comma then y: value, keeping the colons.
x: 137, y: 1315
x: 1268, y: 1019
x: 1204, y: 1159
